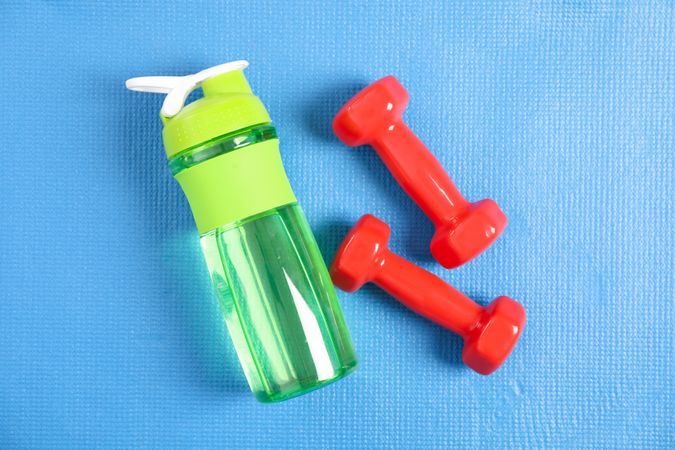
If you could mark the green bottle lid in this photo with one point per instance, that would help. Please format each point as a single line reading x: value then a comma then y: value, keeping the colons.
x: 236, y: 184
x: 228, y: 105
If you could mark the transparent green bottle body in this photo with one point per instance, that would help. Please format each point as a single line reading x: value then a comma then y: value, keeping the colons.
x: 279, y: 304
x: 277, y: 299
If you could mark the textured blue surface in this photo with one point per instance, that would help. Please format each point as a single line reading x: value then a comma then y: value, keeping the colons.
x: 563, y: 111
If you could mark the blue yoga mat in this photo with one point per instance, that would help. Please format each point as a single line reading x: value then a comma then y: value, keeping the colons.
x: 562, y: 111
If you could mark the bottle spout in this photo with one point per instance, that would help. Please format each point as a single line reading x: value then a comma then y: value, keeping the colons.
x: 179, y: 88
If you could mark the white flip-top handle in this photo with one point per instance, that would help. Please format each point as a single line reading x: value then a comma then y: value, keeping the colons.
x: 178, y: 88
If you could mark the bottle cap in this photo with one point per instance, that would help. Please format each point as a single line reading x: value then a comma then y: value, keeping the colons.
x: 228, y: 105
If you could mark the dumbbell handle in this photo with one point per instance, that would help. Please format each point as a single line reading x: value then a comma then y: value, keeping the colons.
x: 419, y: 173
x: 426, y: 294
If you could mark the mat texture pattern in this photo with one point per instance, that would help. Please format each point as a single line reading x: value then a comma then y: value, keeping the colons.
x: 562, y: 111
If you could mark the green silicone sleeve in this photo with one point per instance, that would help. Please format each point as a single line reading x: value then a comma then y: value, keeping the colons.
x: 236, y: 185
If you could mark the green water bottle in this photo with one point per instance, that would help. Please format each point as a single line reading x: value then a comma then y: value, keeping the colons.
x: 272, y: 284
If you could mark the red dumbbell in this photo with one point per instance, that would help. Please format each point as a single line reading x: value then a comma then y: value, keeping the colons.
x: 463, y: 229
x: 489, y: 333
